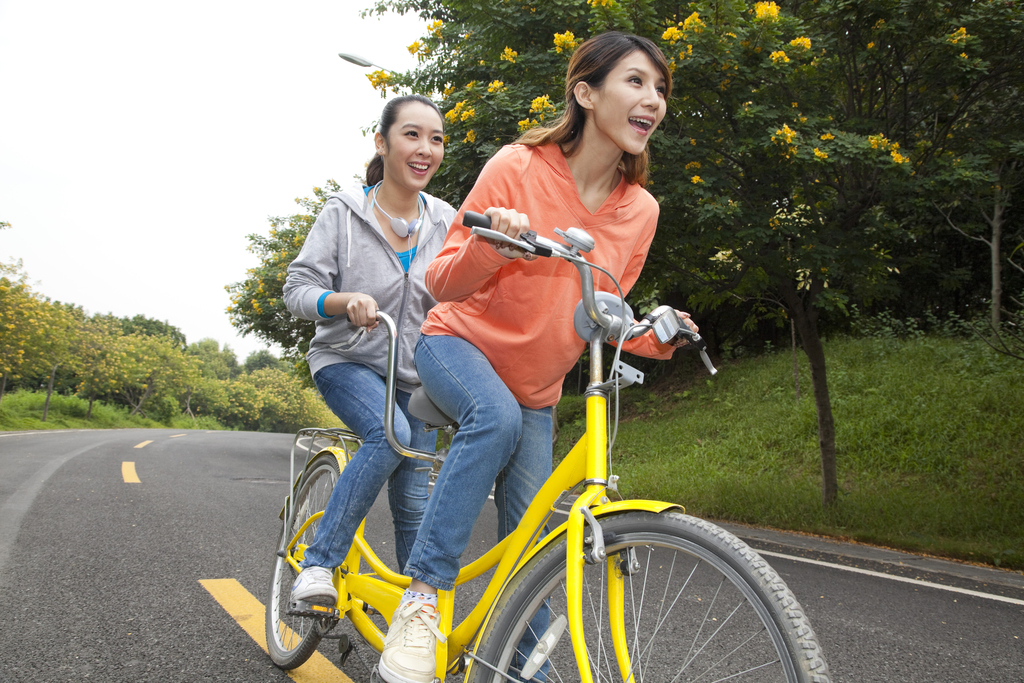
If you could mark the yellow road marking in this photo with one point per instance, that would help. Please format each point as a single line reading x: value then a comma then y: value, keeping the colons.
x: 175, y: 436
x: 143, y: 444
x: 251, y: 616
x: 128, y: 472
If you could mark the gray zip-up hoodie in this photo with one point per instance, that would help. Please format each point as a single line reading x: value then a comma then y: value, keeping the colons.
x: 345, y: 251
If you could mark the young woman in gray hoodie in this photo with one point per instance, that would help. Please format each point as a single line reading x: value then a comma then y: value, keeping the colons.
x: 369, y: 250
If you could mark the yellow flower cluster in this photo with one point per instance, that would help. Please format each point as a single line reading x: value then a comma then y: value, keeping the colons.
x: 693, y: 23
x: 495, y: 86
x: 470, y: 137
x: 379, y: 79
x: 779, y: 57
x: 693, y: 165
x: 819, y: 154
x: 565, y: 42
x: 802, y: 43
x: 542, y: 107
x: 786, y: 133
x: 766, y: 11
x: 527, y: 124
x: 435, y: 27
x: 601, y: 3
x: 688, y: 52
x: 879, y: 142
x: 828, y: 136
x: 509, y: 55
x: 696, y: 180
x: 958, y: 36
x: 899, y: 158
x: 415, y: 47
x: 460, y: 112
x: 672, y: 34
x: 785, y: 136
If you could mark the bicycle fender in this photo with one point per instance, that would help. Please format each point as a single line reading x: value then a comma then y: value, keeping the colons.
x: 340, y: 454
x: 603, y: 510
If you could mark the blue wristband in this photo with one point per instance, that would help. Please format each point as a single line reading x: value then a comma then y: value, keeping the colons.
x: 320, y: 306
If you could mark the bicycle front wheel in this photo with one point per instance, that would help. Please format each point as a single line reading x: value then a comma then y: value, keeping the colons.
x: 291, y: 640
x: 690, y: 602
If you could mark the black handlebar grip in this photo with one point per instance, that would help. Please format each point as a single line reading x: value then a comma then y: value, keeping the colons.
x: 472, y: 219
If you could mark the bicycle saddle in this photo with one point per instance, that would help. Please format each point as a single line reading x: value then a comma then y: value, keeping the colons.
x: 424, y: 409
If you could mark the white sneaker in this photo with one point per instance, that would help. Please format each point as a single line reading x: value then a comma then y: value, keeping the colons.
x: 315, y: 585
x: 408, y: 655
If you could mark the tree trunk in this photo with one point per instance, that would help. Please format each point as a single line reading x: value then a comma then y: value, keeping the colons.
x: 49, y: 392
x: 796, y: 366
x: 138, y: 408
x: 995, y: 246
x: 188, y: 405
x: 3, y: 385
x: 806, y: 318
x: 92, y: 397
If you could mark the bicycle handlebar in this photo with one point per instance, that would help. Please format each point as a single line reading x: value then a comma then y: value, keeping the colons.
x: 664, y: 320
x: 535, y: 244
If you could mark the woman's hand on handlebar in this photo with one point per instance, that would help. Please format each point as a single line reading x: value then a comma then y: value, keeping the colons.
x: 511, y: 223
x: 362, y: 310
x: 684, y: 318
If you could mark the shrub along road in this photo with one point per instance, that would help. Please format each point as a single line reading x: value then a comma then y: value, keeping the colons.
x: 100, y: 578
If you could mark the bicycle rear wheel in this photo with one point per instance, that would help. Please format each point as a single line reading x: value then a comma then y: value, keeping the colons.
x: 291, y: 640
x: 697, y: 604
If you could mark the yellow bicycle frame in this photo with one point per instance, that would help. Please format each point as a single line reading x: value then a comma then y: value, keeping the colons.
x: 381, y: 588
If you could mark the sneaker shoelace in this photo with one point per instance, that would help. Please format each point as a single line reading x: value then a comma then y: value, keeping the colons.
x: 420, y: 625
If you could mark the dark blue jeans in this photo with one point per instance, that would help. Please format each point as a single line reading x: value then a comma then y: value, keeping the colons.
x: 356, y: 395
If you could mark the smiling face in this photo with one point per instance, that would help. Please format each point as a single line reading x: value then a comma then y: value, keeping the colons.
x: 627, y: 108
x: 414, y: 147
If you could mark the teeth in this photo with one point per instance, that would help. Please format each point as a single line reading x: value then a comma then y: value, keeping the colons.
x: 643, y: 122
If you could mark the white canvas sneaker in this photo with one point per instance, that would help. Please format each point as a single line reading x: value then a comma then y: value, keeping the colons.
x: 313, y: 584
x: 408, y: 655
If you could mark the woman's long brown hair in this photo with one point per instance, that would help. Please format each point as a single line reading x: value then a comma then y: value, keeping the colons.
x: 590, y: 64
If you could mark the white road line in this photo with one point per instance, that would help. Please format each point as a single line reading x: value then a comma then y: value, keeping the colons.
x: 916, y: 582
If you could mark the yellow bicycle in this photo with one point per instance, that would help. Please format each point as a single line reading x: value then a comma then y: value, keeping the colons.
x: 645, y: 591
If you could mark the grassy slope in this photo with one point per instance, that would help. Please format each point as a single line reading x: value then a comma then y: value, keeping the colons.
x: 930, y: 441
x: 23, y: 411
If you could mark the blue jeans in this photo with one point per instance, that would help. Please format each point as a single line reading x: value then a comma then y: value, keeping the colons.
x: 499, y: 442
x: 356, y: 394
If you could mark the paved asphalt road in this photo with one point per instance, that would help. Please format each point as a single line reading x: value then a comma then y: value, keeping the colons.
x: 100, y: 578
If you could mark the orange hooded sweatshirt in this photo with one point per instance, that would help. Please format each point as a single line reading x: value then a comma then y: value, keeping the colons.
x: 518, y: 312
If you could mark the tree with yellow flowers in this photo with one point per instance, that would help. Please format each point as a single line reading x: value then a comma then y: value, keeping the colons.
x: 257, y: 302
x: 791, y: 154
x: 24, y: 316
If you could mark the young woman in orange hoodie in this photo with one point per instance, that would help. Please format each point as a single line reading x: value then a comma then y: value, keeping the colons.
x: 496, y: 348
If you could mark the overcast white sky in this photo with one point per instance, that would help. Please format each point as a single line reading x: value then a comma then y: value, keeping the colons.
x: 140, y: 142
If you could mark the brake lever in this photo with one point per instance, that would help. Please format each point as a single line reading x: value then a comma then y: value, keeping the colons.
x: 496, y: 236
x: 668, y: 328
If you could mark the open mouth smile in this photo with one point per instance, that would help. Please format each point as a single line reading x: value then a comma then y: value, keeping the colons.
x: 641, y: 124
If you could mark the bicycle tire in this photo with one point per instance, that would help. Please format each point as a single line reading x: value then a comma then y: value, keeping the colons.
x: 700, y: 604
x: 291, y: 640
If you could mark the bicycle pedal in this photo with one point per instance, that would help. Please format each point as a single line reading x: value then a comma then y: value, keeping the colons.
x: 301, y: 608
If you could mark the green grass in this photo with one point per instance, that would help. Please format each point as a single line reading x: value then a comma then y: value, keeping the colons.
x: 23, y: 410
x: 929, y: 438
